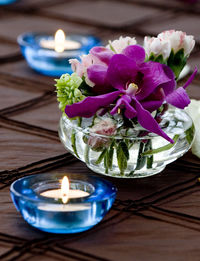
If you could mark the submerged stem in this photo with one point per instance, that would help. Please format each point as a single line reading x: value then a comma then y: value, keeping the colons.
x: 163, y: 148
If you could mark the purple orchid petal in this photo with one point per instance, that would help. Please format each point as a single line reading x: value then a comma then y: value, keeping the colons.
x: 98, y: 75
x: 135, y: 52
x: 148, y: 122
x: 191, y: 78
x: 102, y: 53
x: 178, y: 98
x: 88, y: 107
x: 151, y: 105
x: 121, y: 70
x: 154, y: 76
x: 124, y: 102
x: 154, y: 101
x: 169, y: 86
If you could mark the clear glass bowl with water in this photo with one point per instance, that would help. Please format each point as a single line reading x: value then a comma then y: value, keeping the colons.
x: 143, y: 156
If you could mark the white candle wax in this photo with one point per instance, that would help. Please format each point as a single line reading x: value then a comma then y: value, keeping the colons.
x: 67, y: 45
x: 57, y: 193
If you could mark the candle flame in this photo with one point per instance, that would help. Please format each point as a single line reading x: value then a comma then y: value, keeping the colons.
x: 65, y: 189
x: 59, y: 41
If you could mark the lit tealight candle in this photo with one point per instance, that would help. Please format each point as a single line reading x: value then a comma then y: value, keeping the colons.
x: 64, y: 192
x: 48, y: 214
x: 60, y: 43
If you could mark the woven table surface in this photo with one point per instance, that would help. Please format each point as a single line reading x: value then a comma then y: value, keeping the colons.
x: 156, y: 218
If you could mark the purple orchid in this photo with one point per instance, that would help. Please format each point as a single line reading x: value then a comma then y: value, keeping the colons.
x: 138, y: 87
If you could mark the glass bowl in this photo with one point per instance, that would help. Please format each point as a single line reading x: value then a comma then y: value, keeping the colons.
x: 129, y: 155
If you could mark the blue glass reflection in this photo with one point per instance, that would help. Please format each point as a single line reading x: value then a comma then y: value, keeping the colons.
x: 7, y: 2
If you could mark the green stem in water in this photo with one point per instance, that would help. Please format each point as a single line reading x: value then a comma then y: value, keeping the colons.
x: 141, y: 159
x: 73, y: 137
x: 163, y: 148
x: 149, y: 158
x: 110, y: 155
x: 79, y: 121
x: 106, y: 162
x: 86, y: 154
x: 73, y: 141
x: 144, y: 146
x: 101, y: 156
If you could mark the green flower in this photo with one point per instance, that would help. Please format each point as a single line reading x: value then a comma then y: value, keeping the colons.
x: 67, y: 90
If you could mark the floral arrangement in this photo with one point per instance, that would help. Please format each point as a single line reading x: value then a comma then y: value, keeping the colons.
x: 125, y: 86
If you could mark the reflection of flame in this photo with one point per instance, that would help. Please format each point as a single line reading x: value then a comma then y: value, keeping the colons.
x: 59, y: 41
x: 65, y: 189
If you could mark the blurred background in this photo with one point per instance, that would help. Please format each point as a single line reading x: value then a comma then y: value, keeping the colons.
x: 107, y: 19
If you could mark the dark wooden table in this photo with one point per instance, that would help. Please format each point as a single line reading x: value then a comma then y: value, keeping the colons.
x: 156, y: 218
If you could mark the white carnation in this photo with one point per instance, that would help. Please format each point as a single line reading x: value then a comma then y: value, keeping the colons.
x: 178, y: 40
x: 120, y: 44
x: 156, y: 46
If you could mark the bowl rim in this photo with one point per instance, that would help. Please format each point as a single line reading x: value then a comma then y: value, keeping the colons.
x: 149, y: 136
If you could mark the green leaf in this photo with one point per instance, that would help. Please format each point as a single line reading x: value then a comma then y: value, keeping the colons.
x: 177, y: 61
x: 190, y: 134
x: 111, y: 47
x: 158, y: 59
x: 124, y: 147
x: 85, y: 89
x: 122, y: 156
x: 163, y: 148
x: 101, y: 156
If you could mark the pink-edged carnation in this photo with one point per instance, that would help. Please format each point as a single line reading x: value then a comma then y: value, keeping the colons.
x: 155, y: 46
x: 178, y: 40
x: 120, y: 44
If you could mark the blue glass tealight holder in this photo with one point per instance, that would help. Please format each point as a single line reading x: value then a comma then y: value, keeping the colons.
x: 50, y: 214
x: 46, y: 60
x: 7, y: 2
